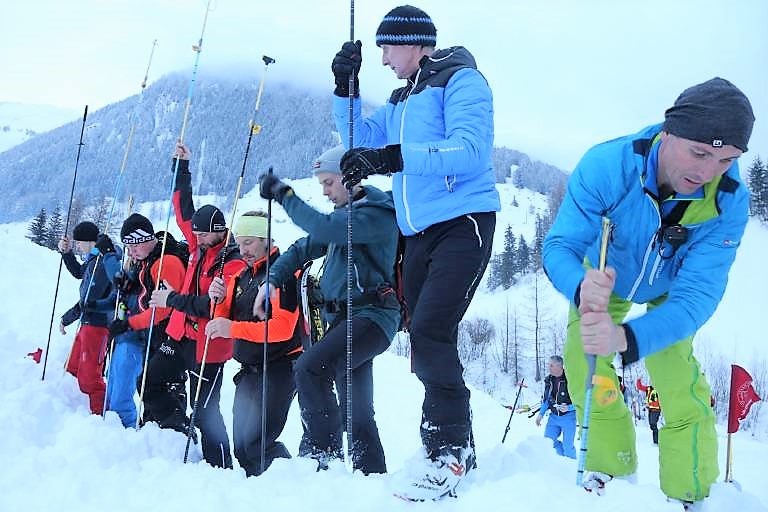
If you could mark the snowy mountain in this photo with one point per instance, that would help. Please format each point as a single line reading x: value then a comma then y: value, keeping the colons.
x: 20, y: 122
x: 296, y: 127
x: 56, y: 456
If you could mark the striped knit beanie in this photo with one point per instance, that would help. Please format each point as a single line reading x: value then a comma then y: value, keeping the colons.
x: 406, y: 25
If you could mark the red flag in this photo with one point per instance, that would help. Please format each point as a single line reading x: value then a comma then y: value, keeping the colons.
x: 743, y: 395
x: 36, y: 355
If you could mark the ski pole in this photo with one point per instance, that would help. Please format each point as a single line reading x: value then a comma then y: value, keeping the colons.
x: 347, y: 440
x: 252, y: 128
x: 66, y: 229
x: 267, y: 315
x: 512, y: 412
x: 198, y: 48
x: 591, y: 364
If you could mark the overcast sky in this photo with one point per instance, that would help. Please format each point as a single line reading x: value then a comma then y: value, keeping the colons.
x: 565, y: 74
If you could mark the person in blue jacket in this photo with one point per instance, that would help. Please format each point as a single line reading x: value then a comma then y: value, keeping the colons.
x: 435, y: 137
x: 678, y: 208
x: 94, y: 309
x: 562, y: 413
x: 375, y: 310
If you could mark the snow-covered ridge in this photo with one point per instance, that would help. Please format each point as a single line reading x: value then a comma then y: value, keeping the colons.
x: 20, y: 122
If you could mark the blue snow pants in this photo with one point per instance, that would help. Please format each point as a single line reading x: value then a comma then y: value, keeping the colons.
x: 565, y: 425
x: 124, y: 370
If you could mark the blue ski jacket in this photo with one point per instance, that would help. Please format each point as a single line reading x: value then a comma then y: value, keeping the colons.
x: 443, y: 121
x: 97, y: 273
x: 617, y: 179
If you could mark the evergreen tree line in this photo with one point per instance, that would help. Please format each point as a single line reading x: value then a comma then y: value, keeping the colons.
x: 758, y: 189
x: 47, y: 229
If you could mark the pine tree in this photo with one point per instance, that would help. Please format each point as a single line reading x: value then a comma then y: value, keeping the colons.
x: 538, y: 242
x: 523, y: 256
x: 494, y: 272
x: 507, y: 273
x: 37, y: 228
x: 55, y: 229
x: 758, y: 189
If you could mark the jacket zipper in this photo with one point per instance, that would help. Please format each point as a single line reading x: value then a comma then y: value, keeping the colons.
x: 405, y: 176
x: 647, y: 255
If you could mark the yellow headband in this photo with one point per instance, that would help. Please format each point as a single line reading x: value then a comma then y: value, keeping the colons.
x: 248, y: 225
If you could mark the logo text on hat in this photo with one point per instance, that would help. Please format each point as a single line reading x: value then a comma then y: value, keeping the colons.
x: 717, y: 143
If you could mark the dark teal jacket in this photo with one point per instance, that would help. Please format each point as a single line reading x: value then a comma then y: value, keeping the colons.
x: 374, y: 244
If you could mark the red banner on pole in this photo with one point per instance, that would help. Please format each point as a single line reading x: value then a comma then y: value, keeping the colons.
x: 743, y: 395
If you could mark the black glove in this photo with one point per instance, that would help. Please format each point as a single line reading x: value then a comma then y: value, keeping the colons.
x: 359, y: 163
x: 104, y: 244
x: 346, y: 62
x: 270, y: 187
x: 118, y: 327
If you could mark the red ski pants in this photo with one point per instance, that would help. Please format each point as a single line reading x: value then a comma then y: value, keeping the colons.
x: 86, y: 362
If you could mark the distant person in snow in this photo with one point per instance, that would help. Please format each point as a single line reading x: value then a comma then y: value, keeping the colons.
x: 562, y: 414
x: 205, y: 230
x: 679, y: 209
x: 165, y: 399
x: 375, y: 309
x: 94, y: 309
x: 234, y: 319
x: 654, y: 407
x: 438, y: 151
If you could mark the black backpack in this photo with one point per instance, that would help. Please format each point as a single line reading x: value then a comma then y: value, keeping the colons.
x: 175, y: 247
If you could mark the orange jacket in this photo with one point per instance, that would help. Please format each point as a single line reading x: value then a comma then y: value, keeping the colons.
x: 173, y: 272
x: 249, y: 334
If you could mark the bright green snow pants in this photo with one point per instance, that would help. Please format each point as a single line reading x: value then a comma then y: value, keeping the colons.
x: 687, y: 442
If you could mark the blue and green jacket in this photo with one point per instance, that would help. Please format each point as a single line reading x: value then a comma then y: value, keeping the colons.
x: 617, y: 179
x: 443, y: 121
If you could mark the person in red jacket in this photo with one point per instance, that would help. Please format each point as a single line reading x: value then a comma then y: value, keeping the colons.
x: 654, y: 408
x: 144, y: 248
x: 206, y: 232
x: 234, y: 319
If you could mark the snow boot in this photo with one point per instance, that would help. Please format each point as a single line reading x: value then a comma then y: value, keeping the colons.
x: 594, y: 481
x: 437, y: 478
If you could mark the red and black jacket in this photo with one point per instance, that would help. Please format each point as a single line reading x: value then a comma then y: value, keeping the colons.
x: 191, y: 304
x: 148, y: 273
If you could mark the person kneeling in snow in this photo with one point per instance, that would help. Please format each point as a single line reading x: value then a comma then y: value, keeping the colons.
x: 233, y: 318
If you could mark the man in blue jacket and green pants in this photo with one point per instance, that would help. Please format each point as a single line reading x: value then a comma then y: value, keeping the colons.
x: 674, y: 196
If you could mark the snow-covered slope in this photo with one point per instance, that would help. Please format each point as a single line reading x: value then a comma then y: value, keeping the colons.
x: 19, y: 122
x: 56, y: 456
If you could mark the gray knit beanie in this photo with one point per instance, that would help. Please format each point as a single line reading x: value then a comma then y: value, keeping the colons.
x: 715, y: 112
x: 330, y: 161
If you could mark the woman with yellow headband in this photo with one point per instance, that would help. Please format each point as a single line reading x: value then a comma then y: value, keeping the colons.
x: 233, y: 318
